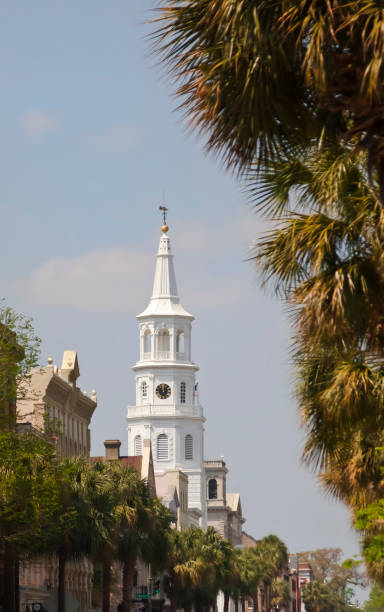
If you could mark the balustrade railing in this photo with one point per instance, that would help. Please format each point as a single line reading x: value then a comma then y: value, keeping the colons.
x: 167, y: 410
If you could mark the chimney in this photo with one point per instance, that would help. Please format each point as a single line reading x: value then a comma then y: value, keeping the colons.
x: 112, y: 450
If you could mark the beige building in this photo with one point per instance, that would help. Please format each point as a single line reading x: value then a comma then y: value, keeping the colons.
x: 53, y: 404
x: 224, y: 509
x: 172, y: 490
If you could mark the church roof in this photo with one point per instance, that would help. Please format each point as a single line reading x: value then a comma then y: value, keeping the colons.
x: 165, y: 300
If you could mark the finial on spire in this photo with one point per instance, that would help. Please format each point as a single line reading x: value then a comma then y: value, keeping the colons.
x: 164, y: 227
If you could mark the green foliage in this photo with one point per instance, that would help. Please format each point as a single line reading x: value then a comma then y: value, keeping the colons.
x: 327, y: 567
x: 264, y: 78
x: 30, y: 492
x: 375, y: 602
x: 19, y: 352
x: 320, y: 597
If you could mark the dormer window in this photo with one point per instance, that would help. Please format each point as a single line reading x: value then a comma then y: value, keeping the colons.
x: 183, y: 389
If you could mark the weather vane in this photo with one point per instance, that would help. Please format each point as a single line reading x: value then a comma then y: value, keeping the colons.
x: 164, y: 211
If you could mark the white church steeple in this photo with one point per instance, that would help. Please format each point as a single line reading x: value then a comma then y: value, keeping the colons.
x: 165, y: 300
x: 167, y: 409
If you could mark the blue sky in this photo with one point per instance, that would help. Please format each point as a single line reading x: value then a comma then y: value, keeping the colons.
x: 91, y: 143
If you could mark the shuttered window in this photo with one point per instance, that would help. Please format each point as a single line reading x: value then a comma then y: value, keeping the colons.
x: 188, y: 447
x: 182, y: 392
x: 162, y: 447
x: 144, y: 390
x: 138, y: 445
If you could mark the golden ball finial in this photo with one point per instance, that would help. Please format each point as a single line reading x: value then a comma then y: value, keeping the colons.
x: 164, y: 228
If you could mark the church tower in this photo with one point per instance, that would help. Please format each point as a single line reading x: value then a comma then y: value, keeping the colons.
x: 167, y: 409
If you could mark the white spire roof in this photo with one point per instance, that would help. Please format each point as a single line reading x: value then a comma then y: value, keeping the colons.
x: 164, y: 300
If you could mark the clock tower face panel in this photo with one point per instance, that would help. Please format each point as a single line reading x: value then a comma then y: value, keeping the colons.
x: 163, y: 391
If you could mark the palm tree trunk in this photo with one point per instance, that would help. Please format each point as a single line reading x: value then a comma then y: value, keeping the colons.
x: 173, y: 602
x: 106, y: 585
x: 9, y: 579
x: 17, y: 586
x: 128, y: 575
x: 61, y: 582
x: 226, y: 602
x: 243, y: 603
x: 236, y: 604
x: 259, y: 600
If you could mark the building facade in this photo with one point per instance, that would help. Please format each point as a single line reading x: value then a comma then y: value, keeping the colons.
x: 55, y: 406
x: 224, y: 511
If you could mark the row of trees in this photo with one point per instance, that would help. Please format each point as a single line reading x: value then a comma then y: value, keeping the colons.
x: 334, y: 582
x: 291, y: 94
x: 77, y: 508
x: 71, y: 509
x: 201, y: 563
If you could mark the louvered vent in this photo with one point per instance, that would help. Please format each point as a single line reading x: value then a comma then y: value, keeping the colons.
x: 162, y: 446
x: 188, y: 447
x: 138, y: 446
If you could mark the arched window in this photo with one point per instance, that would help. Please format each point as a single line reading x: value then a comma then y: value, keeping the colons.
x: 180, y: 345
x: 188, y: 446
x: 212, y: 488
x: 163, y: 345
x: 147, y: 342
x: 162, y: 447
x: 138, y: 445
x: 144, y: 390
x: 182, y: 392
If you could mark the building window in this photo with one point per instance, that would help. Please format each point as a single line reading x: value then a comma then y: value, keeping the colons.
x: 188, y: 447
x: 180, y: 346
x: 162, y: 447
x: 212, y: 488
x: 182, y: 392
x: 163, y: 340
x: 138, y: 446
x: 144, y: 390
x: 147, y: 341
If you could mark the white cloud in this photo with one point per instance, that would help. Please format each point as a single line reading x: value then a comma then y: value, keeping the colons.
x: 37, y: 123
x: 119, y: 137
x: 120, y: 279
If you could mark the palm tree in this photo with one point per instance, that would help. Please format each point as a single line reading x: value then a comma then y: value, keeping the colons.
x: 280, y: 595
x: 325, y: 258
x: 141, y: 525
x: 185, y: 567
x: 265, y: 77
x: 73, y: 537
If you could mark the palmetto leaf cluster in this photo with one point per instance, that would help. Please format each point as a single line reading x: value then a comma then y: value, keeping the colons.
x: 325, y: 258
x: 269, y: 76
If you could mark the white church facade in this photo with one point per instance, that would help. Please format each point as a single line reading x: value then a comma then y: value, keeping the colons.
x: 167, y: 409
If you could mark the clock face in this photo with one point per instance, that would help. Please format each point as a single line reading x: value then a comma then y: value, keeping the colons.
x: 163, y: 391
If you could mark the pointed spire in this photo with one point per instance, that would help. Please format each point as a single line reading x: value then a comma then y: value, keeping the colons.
x: 165, y: 300
x: 164, y: 284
